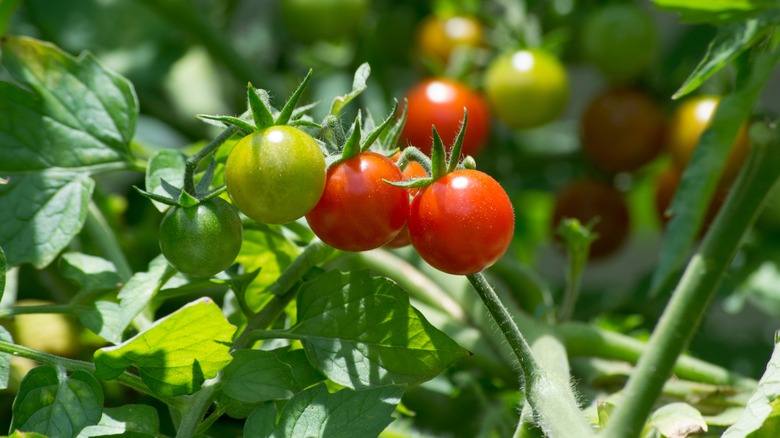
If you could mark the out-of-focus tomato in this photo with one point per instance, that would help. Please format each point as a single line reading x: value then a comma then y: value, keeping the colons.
x: 440, y: 102
x: 622, y: 130
x: 688, y: 123
x: 587, y: 200
x: 666, y: 184
x: 527, y: 88
x: 439, y: 35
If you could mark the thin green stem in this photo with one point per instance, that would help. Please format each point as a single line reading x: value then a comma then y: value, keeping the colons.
x: 105, y: 239
x: 199, y: 403
x: 29, y: 310
x: 697, y: 286
x: 194, y: 161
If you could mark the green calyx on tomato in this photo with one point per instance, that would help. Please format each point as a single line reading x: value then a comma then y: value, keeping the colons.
x: 622, y: 129
x: 440, y: 102
x: 527, y: 88
x: 620, y: 40
x: 201, y: 240
x: 276, y: 175
x: 356, y: 144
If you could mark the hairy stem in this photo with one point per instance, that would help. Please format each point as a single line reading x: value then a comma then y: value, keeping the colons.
x: 194, y: 161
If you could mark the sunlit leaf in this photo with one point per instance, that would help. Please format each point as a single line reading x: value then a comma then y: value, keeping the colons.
x: 271, y: 252
x: 53, y: 404
x: 678, y: 420
x: 176, y: 354
x: 129, y: 420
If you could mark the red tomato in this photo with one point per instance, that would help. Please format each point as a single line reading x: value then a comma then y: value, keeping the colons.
x: 587, y: 200
x: 440, y: 102
x: 413, y: 170
x: 622, y: 130
x: 462, y: 223
x: 358, y: 210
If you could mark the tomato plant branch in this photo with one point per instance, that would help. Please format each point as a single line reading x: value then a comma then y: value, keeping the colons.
x: 195, y: 159
x: 105, y: 238
x: 28, y: 310
x: 699, y: 282
x: 315, y: 253
x: 551, y: 398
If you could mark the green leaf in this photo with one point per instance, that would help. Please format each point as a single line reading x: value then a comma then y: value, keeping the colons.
x: 261, y: 114
x: 165, y: 165
x: 75, y: 118
x: 256, y: 376
x: 176, y: 354
x: 316, y: 412
x: 732, y: 40
x: 91, y: 273
x: 41, y: 214
x: 762, y: 405
x: 5, y: 359
x: 361, y: 332
x: 109, y: 319
x: 714, y: 11
x: 269, y: 250
x: 128, y: 421
x: 50, y: 403
x: 358, y: 86
x: 677, y: 420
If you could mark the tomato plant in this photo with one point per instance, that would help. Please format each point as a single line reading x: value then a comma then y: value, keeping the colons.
x: 689, y: 121
x: 315, y: 20
x: 412, y: 170
x: 438, y: 35
x: 462, y: 223
x: 201, y: 240
x: 611, y: 35
x: 666, y: 184
x: 591, y: 200
x: 358, y: 210
x: 622, y: 130
x: 275, y: 175
x: 526, y: 88
x: 440, y: 102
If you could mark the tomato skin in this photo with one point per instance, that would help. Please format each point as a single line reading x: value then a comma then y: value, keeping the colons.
x: 462, y: 223
x: 413, y: 170
x: 622, y: 130
x: 620, y: 40
x: 358, y: 210
x: 688, y: 123
x: 440, y: 102
x: 587, y: 199
x: 526, y: 88
x: 438, y: 35
x: 275, y: 175
x: 202, y: 240
x: 316, y: 20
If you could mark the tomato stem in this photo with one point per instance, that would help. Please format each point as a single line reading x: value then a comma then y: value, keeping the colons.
x: 314, y: 254
x: 194, y: 161
x: 105, y: 238
x: 697, y: 286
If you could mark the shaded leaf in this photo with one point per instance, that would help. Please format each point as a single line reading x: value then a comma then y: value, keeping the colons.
x: 164, y: 166
x: 762, y: 405
x: 358, y: 86
x: 5, y: 359
x: 128, y: 421
x: 256, y: 376
x: 176, y: 354
x: 361, y: 331
x: 53, y: 404
x: 316, y: 412
x: 90, y: 272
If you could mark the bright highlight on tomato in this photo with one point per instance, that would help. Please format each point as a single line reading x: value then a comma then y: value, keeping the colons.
x: 622, y: 130
x: 358, y: 210
x: 462, y: 223
x: 527, y: 88
x: 202, y: 240
x: 587, y: 200
x: 275, y: 175
x: 438, y: 36
x: 440, y: 102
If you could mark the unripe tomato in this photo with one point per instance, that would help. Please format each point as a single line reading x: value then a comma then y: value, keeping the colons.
x: 413, y: 170
x: 589, y: 199
x: 359, y: 211
x: 438, y: 36
x: 620, y: 40
x: 527, y: 88
x: 316, y: 20
x: 275, y: 175
x: 440, y: 102
x: 688, y: 123
x: 622, y: 129
x: 462, y: 223
x: 202, y: 240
